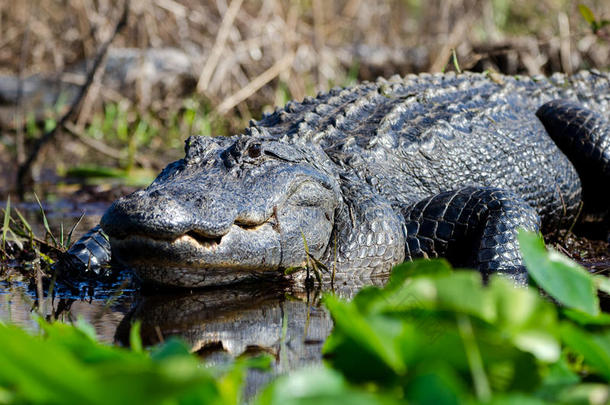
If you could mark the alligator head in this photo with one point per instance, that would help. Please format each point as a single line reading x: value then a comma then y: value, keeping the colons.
x: 233, y: 208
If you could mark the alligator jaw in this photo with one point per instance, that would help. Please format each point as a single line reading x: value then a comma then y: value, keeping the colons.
x: 195, y: 261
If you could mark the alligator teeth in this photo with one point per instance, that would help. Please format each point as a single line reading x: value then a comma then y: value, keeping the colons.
x: 203, y: 241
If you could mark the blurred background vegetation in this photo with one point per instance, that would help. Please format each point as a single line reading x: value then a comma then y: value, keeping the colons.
x: 182, y: 67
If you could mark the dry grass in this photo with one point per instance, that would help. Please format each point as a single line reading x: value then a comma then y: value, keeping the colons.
x: 245, y: 57
x: 236, y: 42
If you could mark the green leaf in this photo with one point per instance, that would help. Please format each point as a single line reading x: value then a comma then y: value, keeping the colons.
x: 291, y: 270
x: 173, y: 347
x: 594, y: 347
x: 559, y: 376
x: 6, y: 397
x: 587, y: 14
x: 402, y: 272
x: 435, y: 383
x: 69, y: 366
x: 528, y: 320
x: 373, y: 335
x: 317, y: 386
x: 456, y: 63
x: 44, y: 372
x: 135, y: 339
x: 96, y: 171
x: 515, y: 399
x: 479, y: 377
x: 588, y: 393
x: 45, y: 222
x: 86, y: 328
x: 560, y: 277
x: 602, y: 283
x: 583, y: 318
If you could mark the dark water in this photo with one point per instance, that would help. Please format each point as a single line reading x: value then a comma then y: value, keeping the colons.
x: 220, y: 323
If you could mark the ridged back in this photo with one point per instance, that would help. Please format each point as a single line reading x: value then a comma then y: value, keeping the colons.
x: 413, y: 137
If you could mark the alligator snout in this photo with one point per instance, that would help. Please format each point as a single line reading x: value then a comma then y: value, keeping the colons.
x: 159, y: 215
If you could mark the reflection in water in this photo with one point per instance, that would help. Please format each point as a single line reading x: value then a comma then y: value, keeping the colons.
x: 280, y: 319
x: 222, y: 323
x: 102, y: 306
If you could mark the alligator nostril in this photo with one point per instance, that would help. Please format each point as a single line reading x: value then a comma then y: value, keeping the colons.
x: 155, y: 194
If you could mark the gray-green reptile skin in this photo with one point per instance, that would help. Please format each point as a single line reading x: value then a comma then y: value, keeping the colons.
x: 430, y: 165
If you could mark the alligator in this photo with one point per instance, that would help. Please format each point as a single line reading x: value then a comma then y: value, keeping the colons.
x: 360, y: 179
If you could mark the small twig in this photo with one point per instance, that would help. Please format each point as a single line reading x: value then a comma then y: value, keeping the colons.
x: 100, y: 146
x: 219, y: 45
x: 256, y: 84
x: 19, y: 115
x: 159, y: 334
x: 25, y: 168
x: 564, y: 250
x: 565, y: 52
x: 576, y: 218
x: 332, y: 279
x: 40, y: 291
x: 453, y: 40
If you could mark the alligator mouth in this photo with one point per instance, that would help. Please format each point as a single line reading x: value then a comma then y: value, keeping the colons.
x: 193, y: 259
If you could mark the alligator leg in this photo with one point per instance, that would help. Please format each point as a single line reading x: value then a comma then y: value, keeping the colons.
x: 89, y: 254
x: 474, y: 227
x: 583, y: 136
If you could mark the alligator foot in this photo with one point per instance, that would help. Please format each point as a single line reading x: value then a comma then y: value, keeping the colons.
x: 90, y: 255
x: 474, y: 227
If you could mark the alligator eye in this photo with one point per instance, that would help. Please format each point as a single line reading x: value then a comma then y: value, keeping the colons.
x: 254, y: 150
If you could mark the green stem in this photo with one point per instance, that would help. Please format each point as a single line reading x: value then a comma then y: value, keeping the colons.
x: 481, y: 384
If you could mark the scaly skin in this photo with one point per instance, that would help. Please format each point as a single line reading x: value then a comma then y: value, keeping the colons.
x: 426, y: 166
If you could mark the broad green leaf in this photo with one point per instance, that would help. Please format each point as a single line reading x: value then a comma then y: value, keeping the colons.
x: 461, y: 292
x: 529, y: 320
x: 171, y: 348
x: 602, y: 283
x: 316, y: 386
x: 373, y: 334
x: 559, y: 376
x: 68, y: 366
x: 515, y: 399
x: 6, y: 396
x: 435, y: 383
x: 85, y: 327
x: 560, y: 277
x: 421, y: 267
x: 44, y: 372
x: 594, y: 347
x: 475, y: 361
x: 588, y: 393
x: 583, y: 318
